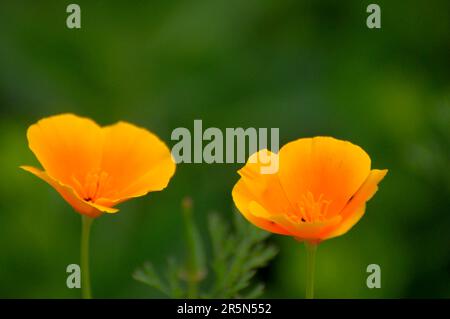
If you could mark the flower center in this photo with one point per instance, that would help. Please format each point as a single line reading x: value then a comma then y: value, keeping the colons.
x: 311, y: 209
x: 93, y: 185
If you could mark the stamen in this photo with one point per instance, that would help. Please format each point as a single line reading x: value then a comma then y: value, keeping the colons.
x: 94, y: 185
x: 312, y: 210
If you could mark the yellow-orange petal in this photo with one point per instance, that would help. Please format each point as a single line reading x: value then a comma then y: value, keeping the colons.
x: 67, y: 146
x: 252, y: 210
x: 355, y: 208
x: 264, y: 188
x: 136, y: 162
x: 325, y: 167
x: 70, y: 196
x: 258, y: 195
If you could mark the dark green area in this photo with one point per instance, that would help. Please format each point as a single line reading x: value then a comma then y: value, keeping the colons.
x: 307, y: 67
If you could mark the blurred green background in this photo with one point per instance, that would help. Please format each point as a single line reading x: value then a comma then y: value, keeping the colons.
x: 307, y: 67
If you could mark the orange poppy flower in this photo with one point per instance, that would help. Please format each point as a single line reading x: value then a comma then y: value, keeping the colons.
x: 319, y: 192
x: 95, y: 168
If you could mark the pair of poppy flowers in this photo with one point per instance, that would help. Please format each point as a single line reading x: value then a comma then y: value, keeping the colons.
x: 319, y: 192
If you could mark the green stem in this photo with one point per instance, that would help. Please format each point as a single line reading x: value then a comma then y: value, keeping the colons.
x: 311, y: 249
x: 85, y: 277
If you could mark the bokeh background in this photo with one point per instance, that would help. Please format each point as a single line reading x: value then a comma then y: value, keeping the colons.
x: 307, y: 67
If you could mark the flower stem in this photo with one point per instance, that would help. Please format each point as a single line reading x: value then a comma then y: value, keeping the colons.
x: 85, y: 277
x: 311, y: 249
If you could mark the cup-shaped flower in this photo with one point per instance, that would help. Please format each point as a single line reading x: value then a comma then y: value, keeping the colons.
x: 95, y: 168
x: 319, y: 192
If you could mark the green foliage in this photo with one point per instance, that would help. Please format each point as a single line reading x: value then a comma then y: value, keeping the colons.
x: 237, y: 254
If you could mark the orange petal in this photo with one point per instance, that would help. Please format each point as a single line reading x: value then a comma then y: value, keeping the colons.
x: 305, y: 230
x: 81, y: 206
x: 258, y: 196
x: 323, y: 166
x: 67, y: 146
x: 355, y: 208
x: 252, y: 211
x: 136, y: 162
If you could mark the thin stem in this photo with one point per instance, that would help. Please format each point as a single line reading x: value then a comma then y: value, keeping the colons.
x: 85, y: 277
x: 311, y: 249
